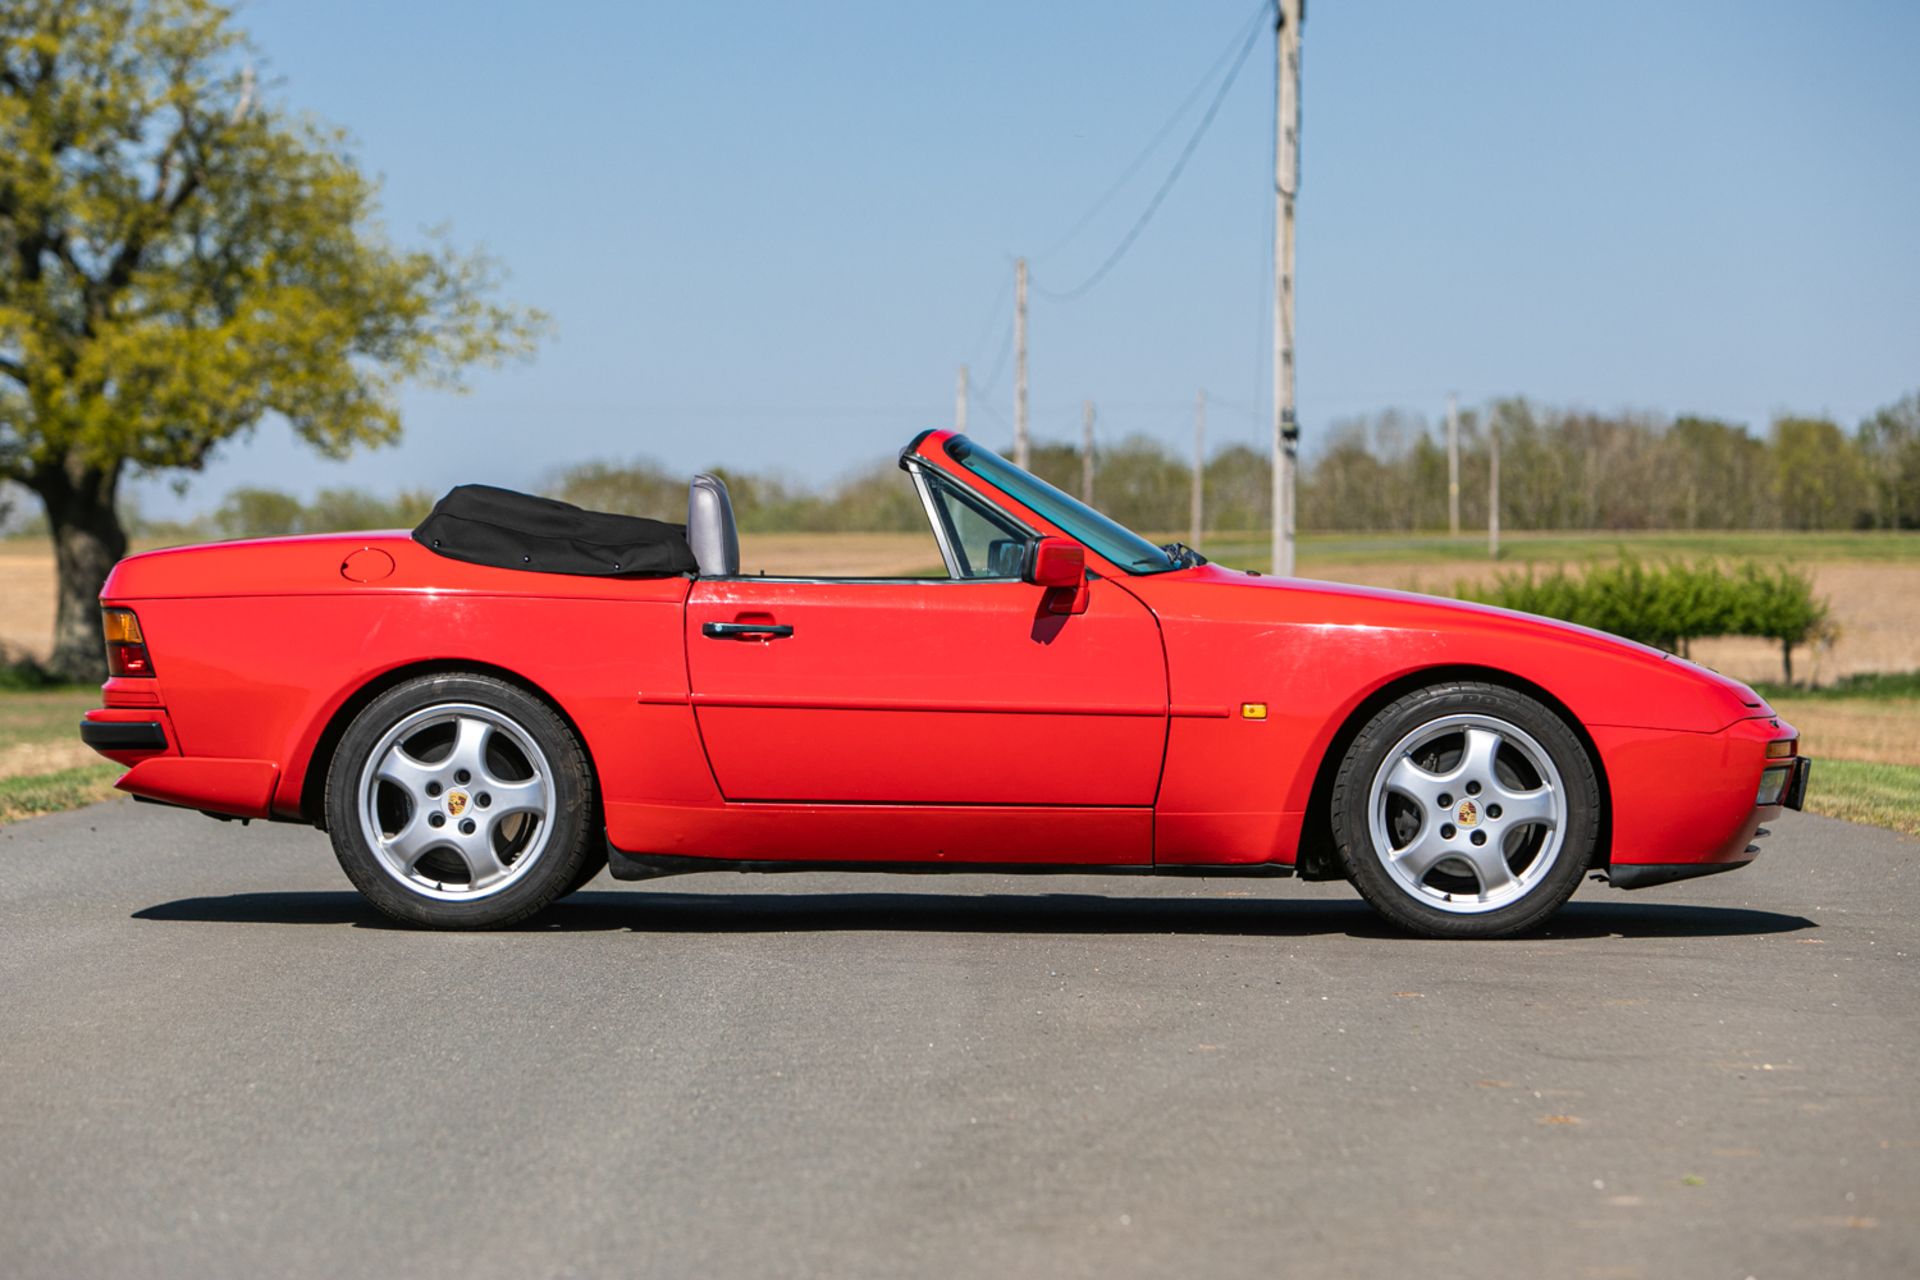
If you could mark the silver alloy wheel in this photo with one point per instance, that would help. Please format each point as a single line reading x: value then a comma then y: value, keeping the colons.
x: 1467, y: 813
x: 456, y: 802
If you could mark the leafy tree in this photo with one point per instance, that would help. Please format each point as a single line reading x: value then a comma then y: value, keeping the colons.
x: 1890, y: 448
x: 1818, y: 478
x: 181, y: 258
x: 336, y: 510
x: 258, y: 513
x: 1239, y: 488
x: 1718, y: 479
x: 639, y: 488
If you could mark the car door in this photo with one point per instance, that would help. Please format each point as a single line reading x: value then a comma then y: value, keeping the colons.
x: 965, y: 690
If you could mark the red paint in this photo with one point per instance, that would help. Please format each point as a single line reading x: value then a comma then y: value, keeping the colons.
x: 933, y: 721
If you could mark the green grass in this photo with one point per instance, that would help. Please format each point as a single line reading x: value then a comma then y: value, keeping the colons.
x: 1252, y: 550
x: 1884, y: 795
x: 45, y: 714
x: 39, y: 793
x: 1876, y: 685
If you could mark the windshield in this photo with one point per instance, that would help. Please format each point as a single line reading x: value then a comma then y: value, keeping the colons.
x: 1112, y: 541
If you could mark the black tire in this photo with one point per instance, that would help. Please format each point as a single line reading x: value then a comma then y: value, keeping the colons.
x: 1453, y: 865
x: 538, y: 854
x: 596, y: 862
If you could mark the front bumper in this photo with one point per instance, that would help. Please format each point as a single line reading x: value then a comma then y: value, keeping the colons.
x: 1643, y: 874
x: 1691, y: 804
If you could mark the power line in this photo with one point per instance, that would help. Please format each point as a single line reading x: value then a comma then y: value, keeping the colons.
x: 1160, y: 135
x: 992, y: 383
x: 995, y: 313
x: 1173, y: 176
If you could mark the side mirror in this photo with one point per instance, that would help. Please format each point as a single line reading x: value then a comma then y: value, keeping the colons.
x: 1058, y: 563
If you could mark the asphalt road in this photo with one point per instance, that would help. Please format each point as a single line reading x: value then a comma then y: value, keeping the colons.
x: 214, y: 1061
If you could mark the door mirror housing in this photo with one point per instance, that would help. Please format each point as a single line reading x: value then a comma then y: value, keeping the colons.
x: 1058, y: 564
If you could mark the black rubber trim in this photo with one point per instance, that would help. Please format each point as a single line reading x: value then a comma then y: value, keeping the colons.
x: 1796, y: 793
x: 1644, y: 874
x: 123, y: 735
x: 647, y: 866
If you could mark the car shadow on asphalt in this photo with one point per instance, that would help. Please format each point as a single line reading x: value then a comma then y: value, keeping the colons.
x: 1037, y: 913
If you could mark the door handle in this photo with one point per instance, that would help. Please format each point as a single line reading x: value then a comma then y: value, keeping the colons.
x: 729, y: 630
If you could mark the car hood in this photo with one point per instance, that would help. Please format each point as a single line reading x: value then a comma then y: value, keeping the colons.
x: 1409, y: 630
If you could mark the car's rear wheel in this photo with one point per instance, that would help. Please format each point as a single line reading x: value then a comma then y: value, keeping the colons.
x: 461, y: 802
x: 1466, y: 810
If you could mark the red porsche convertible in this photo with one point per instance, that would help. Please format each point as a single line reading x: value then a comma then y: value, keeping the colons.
x: 486, y: 713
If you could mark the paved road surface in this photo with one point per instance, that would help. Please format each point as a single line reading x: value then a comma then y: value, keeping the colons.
x: 215, y: 1062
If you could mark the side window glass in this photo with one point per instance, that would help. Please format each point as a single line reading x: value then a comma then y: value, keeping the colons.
x: 985, y: 543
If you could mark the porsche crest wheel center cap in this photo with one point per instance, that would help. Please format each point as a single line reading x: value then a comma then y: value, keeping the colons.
x: 1467, y: 815
x: 456, y: 803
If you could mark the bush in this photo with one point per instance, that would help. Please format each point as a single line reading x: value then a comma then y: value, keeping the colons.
x: 1671, y: 605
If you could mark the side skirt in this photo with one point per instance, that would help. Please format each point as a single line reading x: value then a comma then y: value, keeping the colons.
x: 648, y: 866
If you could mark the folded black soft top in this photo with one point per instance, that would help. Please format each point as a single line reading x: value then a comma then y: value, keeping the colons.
x: 484, y: 525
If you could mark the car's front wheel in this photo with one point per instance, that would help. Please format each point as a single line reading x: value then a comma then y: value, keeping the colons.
x: 461, y: 802
x: 1466, y: 810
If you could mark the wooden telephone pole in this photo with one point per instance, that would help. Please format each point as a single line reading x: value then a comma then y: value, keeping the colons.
x: 1453, y: 465
x: 1086, y: 452
x: 1493, y: 485
x: 1286, y: 182
x: 1020, y: 363
x: 960, y: 402
x: 1198, y: 503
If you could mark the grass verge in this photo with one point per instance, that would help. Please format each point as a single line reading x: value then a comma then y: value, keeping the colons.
x: 1866, y: 684
x: 35, y: 794
x: 1882, y: 795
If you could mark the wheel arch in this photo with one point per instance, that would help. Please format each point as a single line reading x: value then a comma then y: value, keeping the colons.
x: 1316, y: 858
x: 313, y: 786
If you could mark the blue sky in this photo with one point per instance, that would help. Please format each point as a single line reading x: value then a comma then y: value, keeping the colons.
x: 769, y: 232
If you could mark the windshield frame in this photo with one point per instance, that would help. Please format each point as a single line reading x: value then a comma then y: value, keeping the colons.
x: 1105, y: 536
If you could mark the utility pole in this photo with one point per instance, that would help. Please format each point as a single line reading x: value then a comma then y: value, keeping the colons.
x: 1086, y: 452
x: 1286, y: 184
x: 960, y: 402
x: 1020, y: 363
x: 1493, y: 486
x: 1453, y: 465
x: 1199, y: 468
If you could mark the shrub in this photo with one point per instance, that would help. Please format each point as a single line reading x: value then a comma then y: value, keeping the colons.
x: 1671, y: 605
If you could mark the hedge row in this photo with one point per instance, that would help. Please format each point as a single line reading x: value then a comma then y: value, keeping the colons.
x: 1672, y: 604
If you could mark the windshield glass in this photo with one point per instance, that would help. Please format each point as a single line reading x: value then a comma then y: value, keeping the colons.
x: 1113, y: 541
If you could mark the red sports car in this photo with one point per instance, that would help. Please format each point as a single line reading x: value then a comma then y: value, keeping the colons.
x: 484, y: 714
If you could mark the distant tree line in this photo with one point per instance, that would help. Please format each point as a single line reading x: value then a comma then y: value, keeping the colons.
x: 1560, y: 470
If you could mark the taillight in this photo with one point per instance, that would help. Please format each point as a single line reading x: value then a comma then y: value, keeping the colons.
x: 1773, y: 783
x: 126, y: 647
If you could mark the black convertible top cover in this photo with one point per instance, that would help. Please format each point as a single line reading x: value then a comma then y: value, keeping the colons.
x: 484, y: 525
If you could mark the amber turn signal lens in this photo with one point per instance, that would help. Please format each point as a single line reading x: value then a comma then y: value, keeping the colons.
x: 1781, y: 748
x: 121, y: 626
x: 126, y: 647
x: 1253, y: 711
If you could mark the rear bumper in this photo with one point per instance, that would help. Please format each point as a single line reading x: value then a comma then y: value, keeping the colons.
x: 144, y: 739
x: 124, y: 735
x: 241, y: 788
